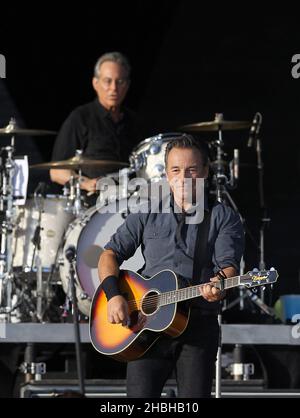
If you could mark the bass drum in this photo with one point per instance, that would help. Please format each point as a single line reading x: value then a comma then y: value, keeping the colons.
x: 54, y: 220
x: 89, y: 234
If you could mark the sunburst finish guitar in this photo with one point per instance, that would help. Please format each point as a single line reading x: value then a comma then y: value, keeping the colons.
x: 154, y: 309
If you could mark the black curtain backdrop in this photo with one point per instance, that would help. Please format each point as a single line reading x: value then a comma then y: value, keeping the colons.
x: 188, y: 64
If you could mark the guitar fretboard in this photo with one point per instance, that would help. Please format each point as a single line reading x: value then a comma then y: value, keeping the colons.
x: 193, y: 291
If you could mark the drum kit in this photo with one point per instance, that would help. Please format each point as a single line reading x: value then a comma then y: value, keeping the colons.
x: 36, y: 234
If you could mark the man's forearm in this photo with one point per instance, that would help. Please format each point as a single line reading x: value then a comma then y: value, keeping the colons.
x: 108, y: 265
x: 60, y: 176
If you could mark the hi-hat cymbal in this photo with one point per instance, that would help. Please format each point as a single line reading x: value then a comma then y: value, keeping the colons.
x: 79, y: 162
x: 25, y: 132
x: 13, y: 129
x: 217, y: 124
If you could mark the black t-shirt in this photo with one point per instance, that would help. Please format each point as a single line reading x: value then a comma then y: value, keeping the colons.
x: 91, y: 129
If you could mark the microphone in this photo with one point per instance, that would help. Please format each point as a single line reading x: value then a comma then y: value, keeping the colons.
x: 265, y: 308
x: 255, y: 128
x: 70, y: 253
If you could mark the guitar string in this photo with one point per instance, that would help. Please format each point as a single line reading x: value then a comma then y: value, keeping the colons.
x: 148, y: 301
x: 152, y: 300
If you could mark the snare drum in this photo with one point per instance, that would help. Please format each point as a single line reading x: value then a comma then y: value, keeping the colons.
x: 148, y: 158
x: 89, y: 234
x: 53, y: 222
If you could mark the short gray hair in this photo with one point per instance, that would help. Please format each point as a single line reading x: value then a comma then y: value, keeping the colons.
x: 114, y: 57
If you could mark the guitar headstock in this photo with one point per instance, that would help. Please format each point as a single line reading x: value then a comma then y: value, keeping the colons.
x: 259, y: 277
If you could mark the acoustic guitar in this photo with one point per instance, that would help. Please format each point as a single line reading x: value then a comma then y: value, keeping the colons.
x: 155, y: 309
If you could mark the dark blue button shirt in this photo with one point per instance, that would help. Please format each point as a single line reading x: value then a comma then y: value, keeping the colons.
x: 156, y: 233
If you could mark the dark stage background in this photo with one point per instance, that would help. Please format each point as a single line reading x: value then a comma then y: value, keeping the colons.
x: 188, y: 64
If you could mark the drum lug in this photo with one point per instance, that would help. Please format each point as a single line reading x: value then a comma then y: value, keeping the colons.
x: 155, y: 148
x: 84, y: 296
x: 84, y: 221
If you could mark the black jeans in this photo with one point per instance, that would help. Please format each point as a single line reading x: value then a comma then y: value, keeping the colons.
x: 191, y: 357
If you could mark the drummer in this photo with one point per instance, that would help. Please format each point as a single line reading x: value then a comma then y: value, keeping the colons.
x: 103, y: 129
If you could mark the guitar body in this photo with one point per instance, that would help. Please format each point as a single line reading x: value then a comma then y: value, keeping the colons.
x: 155, y: 309
x: 148, y: 321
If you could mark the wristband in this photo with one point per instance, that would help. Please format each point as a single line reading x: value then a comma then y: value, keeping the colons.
x: 110, y: 287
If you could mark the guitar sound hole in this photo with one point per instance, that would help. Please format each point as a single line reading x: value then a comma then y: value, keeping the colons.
x: 150, y: 303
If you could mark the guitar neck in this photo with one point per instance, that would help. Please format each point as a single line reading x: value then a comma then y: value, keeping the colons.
x: 191, y: 292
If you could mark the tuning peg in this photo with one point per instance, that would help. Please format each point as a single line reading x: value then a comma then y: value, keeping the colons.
x: 255, y: 270
x: 272, y: 269
x: 254, y: 290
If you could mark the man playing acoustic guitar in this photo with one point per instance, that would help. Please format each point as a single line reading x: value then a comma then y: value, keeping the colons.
x: 197, y: 253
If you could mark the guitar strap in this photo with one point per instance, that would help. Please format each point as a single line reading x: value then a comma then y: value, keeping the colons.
x: 201, y: 253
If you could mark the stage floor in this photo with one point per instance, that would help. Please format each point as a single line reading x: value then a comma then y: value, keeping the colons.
x: 231, y: 333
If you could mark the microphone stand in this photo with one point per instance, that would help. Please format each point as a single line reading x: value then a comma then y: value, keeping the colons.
x: 71, y: 257
x: 221, y: 178
x: 265, y: 220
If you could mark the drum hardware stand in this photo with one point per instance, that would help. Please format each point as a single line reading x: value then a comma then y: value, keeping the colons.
x: 243, y: 293
x: 36, y: 240
x: 238, y: 369
x: 218, y: 166
x: 70, y: 193
x: 7, y: 227
x: 77, y: 201
x: 218, y: 388
x: 70, y: 254
x: 74, y: 204
x: 221, y: 192
x: 33, y: 371
x: 220, y: 182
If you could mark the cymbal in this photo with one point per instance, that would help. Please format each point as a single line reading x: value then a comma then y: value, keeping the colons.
x: 224, y: 163
x: 217, y: 124
x: 79, y: 162
x: 13, y: 129
x: 26, y: 132
x: 219, y: 162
